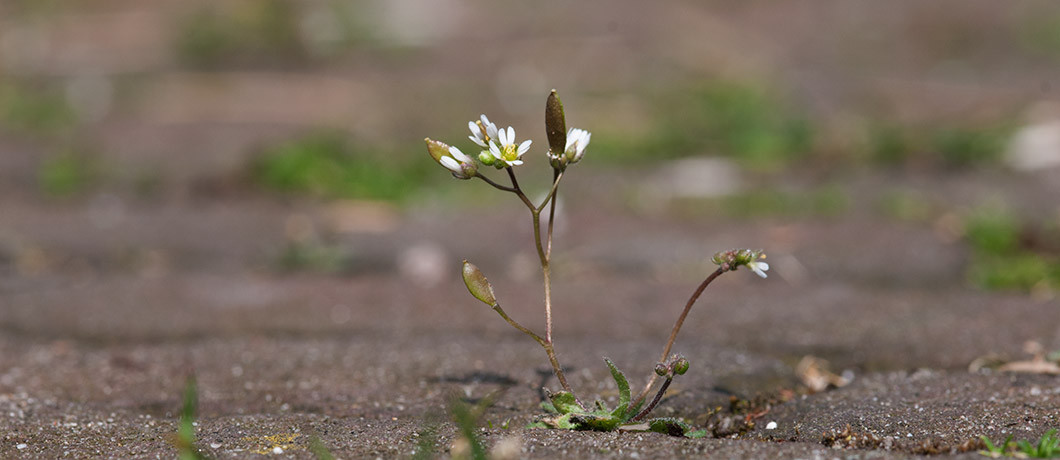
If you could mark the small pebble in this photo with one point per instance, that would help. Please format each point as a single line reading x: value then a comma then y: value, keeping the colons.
x: 215, y: 445
x: 22, y: 446
x: 771, y: 426
x: 277, y: 450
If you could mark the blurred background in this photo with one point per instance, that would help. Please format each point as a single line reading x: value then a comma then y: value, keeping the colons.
x: 242, y: 142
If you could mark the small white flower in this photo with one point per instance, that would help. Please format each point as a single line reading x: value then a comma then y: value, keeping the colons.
x: 482, y: 132
x: 507, y: 151
x: 462, y: 166
x: 758, y: 267
x: 577, y: 140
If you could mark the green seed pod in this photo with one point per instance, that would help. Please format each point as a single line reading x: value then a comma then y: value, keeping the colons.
x: 555, y: 124
x: 437, y: 149
x: 477, y: 284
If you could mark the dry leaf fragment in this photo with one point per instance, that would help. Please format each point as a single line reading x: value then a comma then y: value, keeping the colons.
x: 813, y: 372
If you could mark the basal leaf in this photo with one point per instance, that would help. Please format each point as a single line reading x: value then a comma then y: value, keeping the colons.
x: 668, y: 425
x: 565, y: 403
x: 623, y: 390
x: 561, y: 422
x: 696, y: 434
x: 594, y: 422
x: 548, y: 407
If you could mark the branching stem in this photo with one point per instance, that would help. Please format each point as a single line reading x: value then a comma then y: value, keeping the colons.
x: 546, y: 269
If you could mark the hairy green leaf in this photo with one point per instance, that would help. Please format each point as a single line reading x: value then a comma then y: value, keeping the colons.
x: 595, y: 422
x: 668, y: 425
x: 565, y: 403
x: 623, y: 391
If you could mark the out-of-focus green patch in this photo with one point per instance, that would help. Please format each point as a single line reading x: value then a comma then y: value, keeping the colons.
x: 888, y: 144
x: 1000, y: 258
x: 1040, y: 35
x: 311, y: 256
x: 992, y: 230
x: 907, y: 206
x: 36, y: 7
x: 333, y: 166
x: 1019, y: 271
x: 966, y: 146
x: 745, y: 122
x: 825, y: 201
x: 34, y: 109
x: 67, y: 174
x: 949, y: 146
x: 238, y: 33
x: 269, y: 32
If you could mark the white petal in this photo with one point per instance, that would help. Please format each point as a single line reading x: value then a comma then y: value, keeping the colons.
x: 478, y: 141
x: 511, y: 136
x: 515, y: 162
x: 491, y: 131
x: 495, y: 151
x: 524, y: 147
x: 451, y: 164
x: 458, y: 155
x: 759, y: 268
x: 474, y: 128
x: 485, y: 121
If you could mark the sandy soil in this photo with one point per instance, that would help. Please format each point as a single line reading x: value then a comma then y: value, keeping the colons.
x: 99, y: 333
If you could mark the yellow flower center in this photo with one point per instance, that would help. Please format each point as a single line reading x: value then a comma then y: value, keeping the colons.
x: 510, y: 152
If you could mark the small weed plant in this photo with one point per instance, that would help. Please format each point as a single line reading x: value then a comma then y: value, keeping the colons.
x: 1047, y: 447
x: 500, y: 150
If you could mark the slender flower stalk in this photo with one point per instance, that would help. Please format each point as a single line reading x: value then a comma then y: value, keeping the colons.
x: 673, y: 333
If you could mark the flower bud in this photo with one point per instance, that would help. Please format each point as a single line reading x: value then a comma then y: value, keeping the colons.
x: 661, y: 370
x: 478, y: 285
x: 486, y: 158
x: 555, y: 124
x: 734, y: 258
x: 558, y: 162
x: 725, y: 259
x: 451, y: 158
x: 746, y: 256
x: 681, y: 366
x: 577, y: 141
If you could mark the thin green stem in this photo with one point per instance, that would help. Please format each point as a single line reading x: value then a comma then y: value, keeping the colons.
x: 557, y: 175
x: 673, y: 333
x: 494, y: 184
x: 520, y: 327
x: 535, y: 213
x: 519, y: 191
